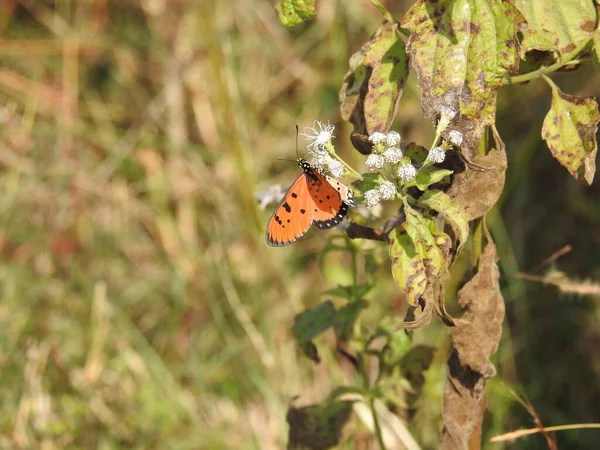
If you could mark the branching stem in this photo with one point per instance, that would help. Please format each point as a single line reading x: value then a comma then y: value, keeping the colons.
x: 567, y: 59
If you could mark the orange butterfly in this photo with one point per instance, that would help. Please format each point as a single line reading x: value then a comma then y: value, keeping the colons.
x: 313, y: 199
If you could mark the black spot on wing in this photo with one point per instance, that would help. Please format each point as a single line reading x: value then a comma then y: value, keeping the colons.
x: 287, y: 207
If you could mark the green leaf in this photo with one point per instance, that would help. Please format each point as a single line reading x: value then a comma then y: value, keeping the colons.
x: 442, y: 240
x: 373, y: 86
x: 416, y: 153
x: 597, y: 44
x: 556, y: 25
x: 317, y: 427
x: 345, y: 390
x: 453, y: 213
x: 350, y: 292
x: 430, y: 175
x: 396, y: 347
x: 408, y: 267
x: 413, y: 365
x: 343, y: 321
x: 461, y: 51
x: 370, y: 181
x: 311, y: 323
x: 569, y: 129
x: 294, y: 12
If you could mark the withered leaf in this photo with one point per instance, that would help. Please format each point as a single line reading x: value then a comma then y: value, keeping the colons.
x: 475, y: 338
x: 479, y: 190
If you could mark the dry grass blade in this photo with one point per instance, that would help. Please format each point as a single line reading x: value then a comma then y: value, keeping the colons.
x: 520, y: 433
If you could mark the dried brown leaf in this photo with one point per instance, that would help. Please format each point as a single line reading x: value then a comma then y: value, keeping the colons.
x: 475, y: 338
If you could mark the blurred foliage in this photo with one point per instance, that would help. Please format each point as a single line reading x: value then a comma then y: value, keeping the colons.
x: 140, y: 306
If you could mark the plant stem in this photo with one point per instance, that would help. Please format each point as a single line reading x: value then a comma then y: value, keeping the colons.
x: 384, y: 12
x: 567, y: 59
x: 376, y: 424
x: 331, y: 150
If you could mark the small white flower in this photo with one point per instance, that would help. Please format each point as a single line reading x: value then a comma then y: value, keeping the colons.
x: 375, y: 162
x: 447, y: 112
x: 320, y: 134
x: 407, y: 172
x: 392, y: 138
x: 387, y: 190
x: 377, y: 137
x: 336, y: 168
x: 437, y: 155
x: 319, y: 158
x: 372, y: 198
x: 393, y: 155
x: 456, y: 137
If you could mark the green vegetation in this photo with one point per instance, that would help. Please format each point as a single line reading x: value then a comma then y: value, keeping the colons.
x: 140, y: 306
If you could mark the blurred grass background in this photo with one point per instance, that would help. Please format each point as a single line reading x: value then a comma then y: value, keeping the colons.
x: 140, y: 306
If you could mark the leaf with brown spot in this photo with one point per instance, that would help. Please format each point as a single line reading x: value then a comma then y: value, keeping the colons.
x: 453, y: 212
x: 479, y: 190
x: 434, y: 258
x: 373, y: 86
x: 569, y: 129
x: 597, y: 44
x: 408, y: 267
x: 475, y: 339
x: 461, y: 51
x: 556, y: 25
x: 294, y: 12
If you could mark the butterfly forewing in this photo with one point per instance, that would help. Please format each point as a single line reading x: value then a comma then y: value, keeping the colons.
x: 291, y: 219
x: 313, y: 199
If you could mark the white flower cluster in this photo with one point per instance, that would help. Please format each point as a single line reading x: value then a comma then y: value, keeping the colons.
x: 335, y: 168
x: 456, y: 137
x: 437, y: 155
x: 319, y: 135
x: 391, y: 138
x: 386, y: 150
x: 407, y: 172
x: 393, y: 155
x: 377, y: 138
x: 385, y: 191
x: 372, y: 198
x: 374, y: 162
x: 447, y: 112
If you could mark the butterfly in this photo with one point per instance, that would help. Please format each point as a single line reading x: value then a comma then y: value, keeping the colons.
x: 314, y: 199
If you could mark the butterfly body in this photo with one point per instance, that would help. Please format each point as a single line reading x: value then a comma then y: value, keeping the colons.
x: 314, y: 199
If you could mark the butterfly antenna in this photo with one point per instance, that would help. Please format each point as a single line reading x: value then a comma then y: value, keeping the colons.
x: 297, y: 154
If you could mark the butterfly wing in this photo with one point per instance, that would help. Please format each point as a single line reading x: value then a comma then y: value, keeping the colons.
x: 292, y: 218
x: 329, y: 200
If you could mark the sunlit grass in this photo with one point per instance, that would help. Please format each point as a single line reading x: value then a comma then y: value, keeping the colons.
x: 139, y: 304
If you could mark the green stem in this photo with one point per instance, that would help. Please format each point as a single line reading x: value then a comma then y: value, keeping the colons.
x: 384, y: 12
x: 567, y: 59
x: 354, y: 262
x: 376, y: 423
x: 331, y: 150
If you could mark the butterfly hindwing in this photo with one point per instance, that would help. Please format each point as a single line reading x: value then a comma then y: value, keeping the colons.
x: 291, y: 220
x: 328, y: 205
x: 313, y: 199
